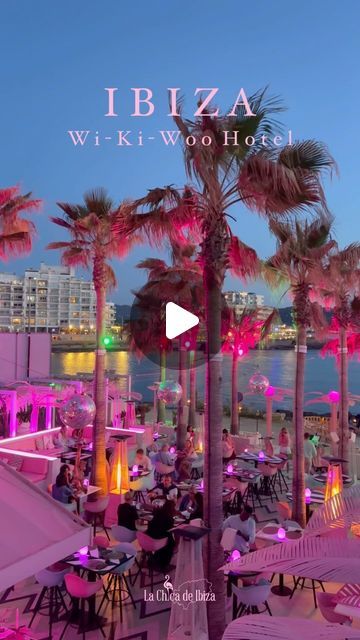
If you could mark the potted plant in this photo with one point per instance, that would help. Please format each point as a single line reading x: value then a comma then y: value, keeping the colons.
x: 23, y: 419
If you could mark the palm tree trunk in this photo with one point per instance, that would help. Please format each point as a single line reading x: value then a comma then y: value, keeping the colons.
x: 234, y: 427
x: 99, y: 472
x: 161, y: 405
x: 344, y: 401
x: 181, y: 423
x: 192, y: 408
x: 298, y: 484
x: 213, y: 465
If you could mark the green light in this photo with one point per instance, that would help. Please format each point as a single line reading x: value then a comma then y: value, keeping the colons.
x: 107, y: 341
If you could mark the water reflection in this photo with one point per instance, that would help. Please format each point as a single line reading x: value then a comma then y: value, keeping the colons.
x: 278, y: 366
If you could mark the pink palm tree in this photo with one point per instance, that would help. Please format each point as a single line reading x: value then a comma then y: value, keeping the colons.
x: 16, y: 232
x: 92, y: 244
x: 272, y: 183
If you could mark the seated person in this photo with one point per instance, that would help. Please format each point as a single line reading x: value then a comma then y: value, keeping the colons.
x: 227, y: 446
x: 245, y: 526
x: 61, y: 438
x: 164, y: 456
x: 193, y: 503
x: 127, y: 513
x: 142, y: 461
x: 79, y: 476
x: 61, y: 489
x: 166, y: 489
x: 158, y: 528
x: 190, y: 433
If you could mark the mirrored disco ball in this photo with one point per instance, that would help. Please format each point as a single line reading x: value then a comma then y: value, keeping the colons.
x: 258, y: 383
x: 78, y: 411
x: 169, y: 392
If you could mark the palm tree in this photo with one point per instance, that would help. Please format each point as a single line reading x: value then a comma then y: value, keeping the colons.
x: 16, y: 232
x: 301, y: 246
x: 226, y: 173
x: 93, y: 243
x: 181, y: 283
x: 339, y: 287
x: 242, y: 333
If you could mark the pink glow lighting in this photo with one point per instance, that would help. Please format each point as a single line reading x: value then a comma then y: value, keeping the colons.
x: 307, y: 493
x: 240, y: 351
x: 172, y: 450
x: 83, y: 551
x: 229, y: 468
x: 281, y: 534
x: 334, y: 396
x: 201, y: 485
x: 261, y: 455
x: 135, y: 468
x: 235, y: 555
x: 270, y: 391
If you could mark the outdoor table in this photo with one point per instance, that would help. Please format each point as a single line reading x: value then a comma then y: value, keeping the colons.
x: 317, y: 497
x: 254, y: 457
x: 322, y: 478
x: 95, y: 566
x: 269, y: 533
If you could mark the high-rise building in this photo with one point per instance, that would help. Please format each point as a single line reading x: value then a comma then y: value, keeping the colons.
x: 50, y: 298
x: 244, y: 299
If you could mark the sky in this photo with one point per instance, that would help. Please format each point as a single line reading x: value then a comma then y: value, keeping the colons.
x: 57, y: 58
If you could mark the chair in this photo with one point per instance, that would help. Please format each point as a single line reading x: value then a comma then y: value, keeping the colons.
x: 51, y: 581
x: 300, y: 582
x: 280, y: 478
x: 148, y: 547
x: 327, y: 604
x: 162, y: 470
x: 248, y: 599
x: 118, y: 579
x: 123, y: 534
x: 101, y: 542
x: 196, y: 522
x: 95, y: 513
x: 284, y: 511
x: 228, y: 539
x: 268, y: 480
x: 232, y: 502
x: 83, y: 590
x: 141, y: 485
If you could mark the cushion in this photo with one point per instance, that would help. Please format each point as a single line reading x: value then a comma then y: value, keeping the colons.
x: 15, y: 462
x: 33, y: 477
x: 39, y: 444
x: 48, y: 441
x: 34, y: 465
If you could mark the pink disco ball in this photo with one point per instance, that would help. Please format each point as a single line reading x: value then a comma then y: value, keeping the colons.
x: 169, y: 392
x: 258, y: 383
x: 77, y: 412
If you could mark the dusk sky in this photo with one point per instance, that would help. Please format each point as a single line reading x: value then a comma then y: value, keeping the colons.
x: 56, y: 58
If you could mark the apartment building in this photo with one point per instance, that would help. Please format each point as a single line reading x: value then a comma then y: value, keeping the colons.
x: 50, y: 298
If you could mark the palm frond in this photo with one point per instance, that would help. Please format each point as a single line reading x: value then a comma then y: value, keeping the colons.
x: 260, y: 626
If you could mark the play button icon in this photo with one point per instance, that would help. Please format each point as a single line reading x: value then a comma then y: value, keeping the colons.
x: 178, y: 320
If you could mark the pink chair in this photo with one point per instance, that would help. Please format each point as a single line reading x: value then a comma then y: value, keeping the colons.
x: 284, y: 511
x: 268, y: 480
x: 327, y: 603
x: 82, y: 590
x: 95, y: 513
x: 148, y: 547
x: 101, y: 542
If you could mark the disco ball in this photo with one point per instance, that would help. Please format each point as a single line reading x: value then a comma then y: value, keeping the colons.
x: 258, y: 383
x: 77, y: 412
x: 169, y: 392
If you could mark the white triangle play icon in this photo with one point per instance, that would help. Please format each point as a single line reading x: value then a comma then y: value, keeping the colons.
x: 178, y: 320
